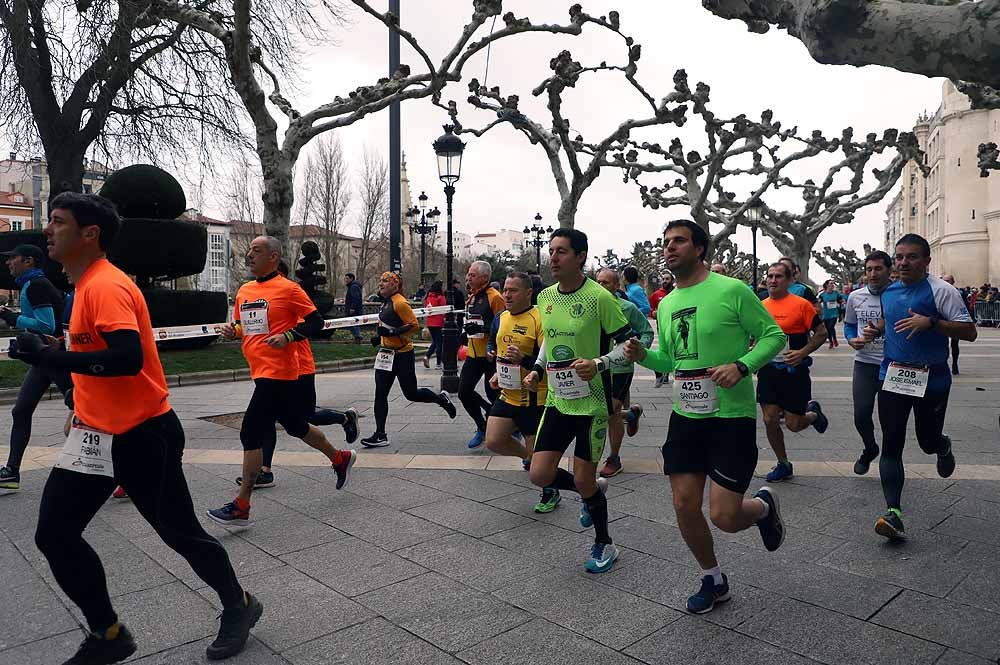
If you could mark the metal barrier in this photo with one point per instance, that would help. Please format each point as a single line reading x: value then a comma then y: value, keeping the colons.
x: 988, y: 314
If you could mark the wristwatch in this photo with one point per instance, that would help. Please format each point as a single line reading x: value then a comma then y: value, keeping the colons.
x: 934, y: 321
x: 601, y: 365
x: 744, y: 370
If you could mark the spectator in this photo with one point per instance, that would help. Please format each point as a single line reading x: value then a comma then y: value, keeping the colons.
x: 634, y: 291
x: 435, y: 323
x: 536, y: 285
x: 666, y: 286
x: 353, y: 303
x: 421, y: 294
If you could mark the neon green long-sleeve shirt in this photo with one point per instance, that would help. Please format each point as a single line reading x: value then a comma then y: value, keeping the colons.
x: 711, y: 324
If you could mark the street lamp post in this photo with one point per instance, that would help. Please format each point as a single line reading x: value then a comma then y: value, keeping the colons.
x: 426, y: 226
x: 536, y: 238
x: 754, y: 214
x: 448, y: 149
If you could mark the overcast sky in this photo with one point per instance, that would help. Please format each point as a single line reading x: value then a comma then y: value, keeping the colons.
x: 505, y: 180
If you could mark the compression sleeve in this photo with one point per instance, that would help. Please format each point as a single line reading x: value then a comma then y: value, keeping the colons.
x: 310, y: 326
x: 123, y: 357
x: 539, y: 365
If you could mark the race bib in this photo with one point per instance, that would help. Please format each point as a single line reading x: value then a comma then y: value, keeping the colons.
x: 475, y: 318
x: 508, y: 374
x: 695, y: 392
x: 564, y: 380
x: 253, y: 318
x: 87, y: 451
x: 831, y: 304
x: 906, y: 379
x: 384, y: 359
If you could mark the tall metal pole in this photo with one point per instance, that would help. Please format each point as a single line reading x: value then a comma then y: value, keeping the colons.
x: 538, y: 257
x: 423, y: 235
x: 395, y: 149
x: 449, y: 334
x: 753, y: 229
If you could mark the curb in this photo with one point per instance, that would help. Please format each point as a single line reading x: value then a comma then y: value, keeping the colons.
x: 9, y: 395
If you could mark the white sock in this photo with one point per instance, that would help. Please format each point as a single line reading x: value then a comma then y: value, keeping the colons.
x: 716, y: 574
x: 767, y: 508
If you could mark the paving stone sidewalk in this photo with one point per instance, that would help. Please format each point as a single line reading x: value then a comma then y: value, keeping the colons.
x: 451, y: 566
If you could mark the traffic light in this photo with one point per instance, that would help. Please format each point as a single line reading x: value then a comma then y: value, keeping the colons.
x: 309, y: 278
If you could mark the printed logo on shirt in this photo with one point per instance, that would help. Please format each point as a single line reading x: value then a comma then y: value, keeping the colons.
x: 81, y: 338
x: 576, y: 310
x: 520, y: 330
x: 684, y: 332
x: 548, y: 309
x: 562, y: 353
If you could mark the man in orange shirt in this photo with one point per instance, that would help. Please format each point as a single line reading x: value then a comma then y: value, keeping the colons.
x: 124, y: 430
x: 267, y: 312
x: 482, y: 305
x: 783, y: 385
x: 319, y: 417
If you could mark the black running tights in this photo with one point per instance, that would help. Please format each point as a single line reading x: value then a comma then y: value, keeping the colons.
x: 148, y: 465
x: 894, y: 415
x: 404, y: 370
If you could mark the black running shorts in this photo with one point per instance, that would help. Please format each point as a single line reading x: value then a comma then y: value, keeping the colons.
x: 789, y: 390
x: 526, y: 418
x: 724, y: 449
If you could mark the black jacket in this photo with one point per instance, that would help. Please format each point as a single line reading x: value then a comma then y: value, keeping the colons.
x: 352, y: 300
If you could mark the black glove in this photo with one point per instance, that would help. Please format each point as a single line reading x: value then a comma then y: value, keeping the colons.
x: 386, y: 331
x: 28, y: 347
x: 9, y: 317
x: 376, y: 341
x: 474, y: 329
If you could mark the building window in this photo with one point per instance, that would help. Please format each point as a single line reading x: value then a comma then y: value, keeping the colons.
x: 217, y: 277
x: 217, y: 251
x: 87, y: 189
x: 18, y: 199
x: 17, y: 225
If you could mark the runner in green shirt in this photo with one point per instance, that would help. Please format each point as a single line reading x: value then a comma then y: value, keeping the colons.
x: 621, y: 378
x: 580, y: 320
x: 705, y: 327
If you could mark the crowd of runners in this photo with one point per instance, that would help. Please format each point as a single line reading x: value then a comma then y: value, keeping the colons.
x: 555, y: 368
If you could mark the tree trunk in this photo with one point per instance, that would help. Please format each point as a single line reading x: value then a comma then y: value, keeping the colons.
x: 567, y: 213
x: 799, y: 249
x: 278, y: 197
x: 65, y: 169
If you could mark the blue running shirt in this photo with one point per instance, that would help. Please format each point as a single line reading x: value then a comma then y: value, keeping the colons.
x: 929, y: 297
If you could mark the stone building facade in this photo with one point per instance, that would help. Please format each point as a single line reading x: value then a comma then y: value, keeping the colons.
x: 955, y: 209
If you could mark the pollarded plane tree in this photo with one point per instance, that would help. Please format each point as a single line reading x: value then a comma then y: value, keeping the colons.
x: 235, y: 24
x: 760, y: 157
x: 957, y: 39
x: 739, y: 265
x: 562, y: 145
x: 843, y: 265
x: 102, y: 73
x: 733, y: 147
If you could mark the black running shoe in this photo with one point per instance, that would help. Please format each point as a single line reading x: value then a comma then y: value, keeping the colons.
x: 446, y: 404
x: 234, y: 629
x: 890, y: 526
x: 821, y: 422
x: 772, y: 528
x: 10, y: 479
x: 100, y: 651
x: 351, y: 425
x: 865, y: 461
x: 264, y: 479
x: 376, y: 440
x: 946, y: 460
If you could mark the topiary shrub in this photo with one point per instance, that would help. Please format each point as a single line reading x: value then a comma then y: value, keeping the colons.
x: 145, y: 192
x: 53, y: 269
x: 156, y: 249
x: 154, y: 246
